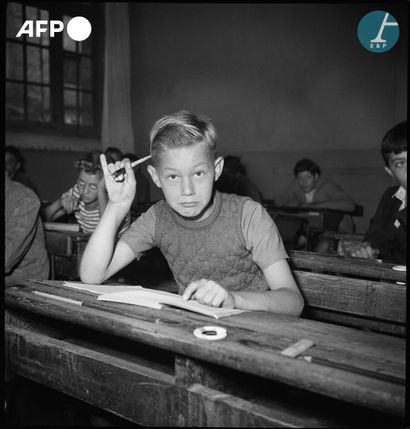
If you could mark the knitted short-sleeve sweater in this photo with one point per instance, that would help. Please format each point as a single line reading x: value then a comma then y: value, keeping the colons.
x: 212, y: 249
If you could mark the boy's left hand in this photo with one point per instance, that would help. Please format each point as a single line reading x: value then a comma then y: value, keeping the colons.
x: 208, y: 292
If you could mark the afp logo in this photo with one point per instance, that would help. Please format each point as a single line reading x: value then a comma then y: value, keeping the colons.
x: 78, y: 28
x: 378, y: 31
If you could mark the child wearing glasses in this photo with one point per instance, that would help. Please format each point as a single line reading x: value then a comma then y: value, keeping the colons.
x: 87, y: 199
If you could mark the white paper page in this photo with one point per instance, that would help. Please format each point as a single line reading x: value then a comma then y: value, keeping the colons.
x: 127, y: 298
x: 101, y: 289
x: 154, y: 299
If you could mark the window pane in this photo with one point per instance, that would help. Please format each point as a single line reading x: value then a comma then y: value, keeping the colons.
x: 14, y: 19
x: 14, y: 101
x: 14, y: 61
x: 38, y: 103
x: 33, y: 64
x: 45, y: 64
x: 68, y: 42
x: 38, y: 64
x: 70, y: 107
x: 85, y: 73
x: 70, y: 72
x: 45, y: 37
x: 33, y: 13
x: 86, y: 109
x: 86, y: 46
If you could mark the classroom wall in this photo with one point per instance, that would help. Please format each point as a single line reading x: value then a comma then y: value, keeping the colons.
x: 49, y: 160
x: 280, y: 81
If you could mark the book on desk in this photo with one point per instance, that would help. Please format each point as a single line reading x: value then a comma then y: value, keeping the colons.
x: 138, y: 295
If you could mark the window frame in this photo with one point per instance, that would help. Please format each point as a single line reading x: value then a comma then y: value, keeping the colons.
x: 94, y: 12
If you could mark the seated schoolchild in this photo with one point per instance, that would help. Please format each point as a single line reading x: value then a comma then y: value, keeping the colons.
x: 310, y: 189
x: 25, y: 248
x: 385, y: 237
x: 14, y: 164
x: 234, y: 180
x: 87, y: 199
x: 224, y: 250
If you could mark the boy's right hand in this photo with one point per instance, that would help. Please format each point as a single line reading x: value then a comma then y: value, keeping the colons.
x: 119, y: 192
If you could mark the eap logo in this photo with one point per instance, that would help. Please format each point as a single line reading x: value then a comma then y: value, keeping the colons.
x: 378, y: 31
x: 78, y: 28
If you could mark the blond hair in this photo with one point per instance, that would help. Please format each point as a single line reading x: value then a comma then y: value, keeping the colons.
x: 181, y: 129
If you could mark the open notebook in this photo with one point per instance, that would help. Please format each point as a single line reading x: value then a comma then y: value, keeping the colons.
x: 137, y: 295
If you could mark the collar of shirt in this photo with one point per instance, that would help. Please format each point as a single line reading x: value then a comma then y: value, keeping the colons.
x: 309, y: 195
x: 401, y: 194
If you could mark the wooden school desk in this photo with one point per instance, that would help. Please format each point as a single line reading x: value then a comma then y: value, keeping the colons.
x: 65, y: 249
x: 355, y: 267
x: 351, y: 291
x: 324, y: 219
x: 317, y: 220
x: 147, y: 366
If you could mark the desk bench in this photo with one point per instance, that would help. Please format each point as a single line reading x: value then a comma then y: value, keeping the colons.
x: 146, y: 366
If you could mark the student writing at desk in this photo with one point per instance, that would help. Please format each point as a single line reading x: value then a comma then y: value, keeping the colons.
x: 224, y: 250
x: 385, y: 237
x: 87, y: 199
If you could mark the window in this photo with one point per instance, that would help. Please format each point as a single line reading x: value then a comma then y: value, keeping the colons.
x: 54, y: 83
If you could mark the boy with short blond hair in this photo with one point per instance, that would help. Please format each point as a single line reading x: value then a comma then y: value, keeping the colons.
x: 224, y: 250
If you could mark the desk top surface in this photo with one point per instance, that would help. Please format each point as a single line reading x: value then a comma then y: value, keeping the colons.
x: 75, y: 236
x: 356, y: 366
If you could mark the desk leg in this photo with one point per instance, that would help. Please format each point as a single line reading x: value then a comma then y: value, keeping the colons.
x: 52, y: 267
x: 218, y: 397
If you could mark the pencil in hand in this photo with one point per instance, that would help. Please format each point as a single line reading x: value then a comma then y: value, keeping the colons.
x: 121, y: 171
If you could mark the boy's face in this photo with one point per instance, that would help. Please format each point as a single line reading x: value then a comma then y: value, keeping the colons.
x: 398, y: 167
x: 307, y: 181
x: 88, y: 186
x: 186, y: 176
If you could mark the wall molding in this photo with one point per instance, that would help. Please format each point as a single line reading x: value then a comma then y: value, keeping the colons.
x: 51, y: 142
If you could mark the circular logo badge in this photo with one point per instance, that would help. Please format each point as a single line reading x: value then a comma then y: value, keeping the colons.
x: 378, y: 31
x: 79, y: 28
